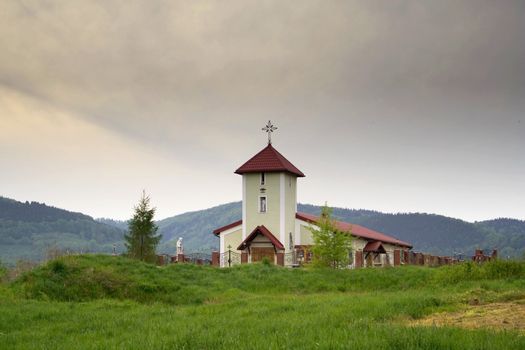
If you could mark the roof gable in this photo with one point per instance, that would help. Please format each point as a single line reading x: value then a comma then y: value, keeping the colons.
x: 263, y: 231
x: 269, y: 160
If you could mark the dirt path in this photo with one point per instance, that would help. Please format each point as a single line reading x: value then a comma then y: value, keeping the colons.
x: 497, y: 316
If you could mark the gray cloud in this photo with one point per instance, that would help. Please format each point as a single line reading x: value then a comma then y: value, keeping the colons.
x: 407, y: 89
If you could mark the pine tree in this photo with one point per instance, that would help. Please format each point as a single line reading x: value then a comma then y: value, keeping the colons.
x: 331, y: 246
x: 141, y: 240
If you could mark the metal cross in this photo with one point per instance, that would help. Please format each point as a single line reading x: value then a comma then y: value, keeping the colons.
x: 269, y: 128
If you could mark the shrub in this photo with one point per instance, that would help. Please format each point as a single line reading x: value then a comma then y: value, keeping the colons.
x: 470, y: 271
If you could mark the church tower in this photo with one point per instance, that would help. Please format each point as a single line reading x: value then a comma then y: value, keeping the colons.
x: 272, y: 229
x: 269, y: 198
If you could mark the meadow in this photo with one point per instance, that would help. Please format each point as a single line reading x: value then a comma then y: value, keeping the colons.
x: 104, y: 302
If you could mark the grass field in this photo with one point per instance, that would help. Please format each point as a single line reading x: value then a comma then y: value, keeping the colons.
x: 101, y: 302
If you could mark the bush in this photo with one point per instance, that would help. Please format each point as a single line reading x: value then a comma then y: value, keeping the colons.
x: 3, y: 270
x: 470, y: 271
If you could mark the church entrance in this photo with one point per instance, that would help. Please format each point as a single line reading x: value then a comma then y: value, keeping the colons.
x: 259, y: 253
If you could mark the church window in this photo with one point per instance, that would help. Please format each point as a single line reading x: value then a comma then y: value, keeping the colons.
x: 291, y: 241
x: 263, y: 179
x: 262, y: 204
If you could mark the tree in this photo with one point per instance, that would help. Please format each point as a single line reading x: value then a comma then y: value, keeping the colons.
x: 331, y: 246
x: 141, y: 240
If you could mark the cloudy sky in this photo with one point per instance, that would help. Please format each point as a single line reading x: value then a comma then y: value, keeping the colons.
x: 398, y: 106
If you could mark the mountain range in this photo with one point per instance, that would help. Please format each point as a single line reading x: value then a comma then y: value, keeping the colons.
x: 29, y: 229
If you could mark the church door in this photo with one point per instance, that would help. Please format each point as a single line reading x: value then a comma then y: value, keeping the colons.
x: 260, y: 253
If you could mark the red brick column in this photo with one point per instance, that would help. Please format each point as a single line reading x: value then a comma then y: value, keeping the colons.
x: 180, y: 258
x: 358, y: 259
x: 420, y: 259
x: 280, y: 259
x: 215, y: 259
x: 244, y: 258
x: 160, y: 260
x: 397, y: 257
x: 404, y: 256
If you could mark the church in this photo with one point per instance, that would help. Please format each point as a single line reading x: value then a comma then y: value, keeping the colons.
x: 271, y: 227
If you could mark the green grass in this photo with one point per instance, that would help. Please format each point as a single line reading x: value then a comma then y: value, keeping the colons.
x: 101, y: 302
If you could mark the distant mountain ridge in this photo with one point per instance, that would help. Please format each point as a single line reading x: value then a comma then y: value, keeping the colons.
x: 11, y: 209
x: 430, y: 233
x: 28, y: 229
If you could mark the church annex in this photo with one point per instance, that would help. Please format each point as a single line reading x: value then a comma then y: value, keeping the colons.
x: 272, y: 228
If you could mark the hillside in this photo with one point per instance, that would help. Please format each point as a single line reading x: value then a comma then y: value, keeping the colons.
x: 28, y: 230
x: 430, y: 233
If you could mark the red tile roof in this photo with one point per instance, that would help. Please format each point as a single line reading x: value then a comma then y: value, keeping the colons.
x: 374, y: 247
x: 356, y: 230
x: 269, y: 160
x: 227, y: 227
x: 266, y: 233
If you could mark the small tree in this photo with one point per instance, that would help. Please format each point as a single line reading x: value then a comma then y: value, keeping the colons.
x: 331, y: 246
x: 141, y: 240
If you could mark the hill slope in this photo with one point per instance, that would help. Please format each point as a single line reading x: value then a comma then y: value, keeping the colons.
x: 430, y: 233
x: 28, y: 230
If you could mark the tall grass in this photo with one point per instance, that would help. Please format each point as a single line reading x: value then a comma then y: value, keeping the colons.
x: 82, y: 278
x: 101, y: 302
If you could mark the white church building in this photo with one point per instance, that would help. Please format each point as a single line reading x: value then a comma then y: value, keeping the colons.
x: 272, y: 228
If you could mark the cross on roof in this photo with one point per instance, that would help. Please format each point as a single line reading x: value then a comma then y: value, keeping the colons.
x: 269, y: 128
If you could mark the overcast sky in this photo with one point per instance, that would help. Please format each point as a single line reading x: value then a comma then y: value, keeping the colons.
x: 397, y: 106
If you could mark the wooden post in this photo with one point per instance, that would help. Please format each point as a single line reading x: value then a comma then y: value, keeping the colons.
x: 280, y: 259
x: 397, y: 257
x: 358, y: 259
x: 160, y: 260
x: 215, y: 259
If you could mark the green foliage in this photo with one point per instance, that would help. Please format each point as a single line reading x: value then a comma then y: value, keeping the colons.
x: 89, y: 277
x: 141, y: 240
x: 196, y: 227
x: 3, y: 270
x: 438, y: 234
x: 27, y: 230
x: 331, y: 246
x: 470, y: 271
x: 130, y: 304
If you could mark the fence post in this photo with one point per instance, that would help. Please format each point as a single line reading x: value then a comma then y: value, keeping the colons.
x: 280, y: 259
x: 358, y: 259
x: 215, y: 259
x: 397, y: 257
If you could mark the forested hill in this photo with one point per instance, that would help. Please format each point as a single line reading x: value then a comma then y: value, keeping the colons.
x: 440, y: 234
x: 427, y: 232
x: 35, y: 212
x: 28, y: 230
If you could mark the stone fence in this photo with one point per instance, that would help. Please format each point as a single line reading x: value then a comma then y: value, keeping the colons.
x: 400, y: 257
